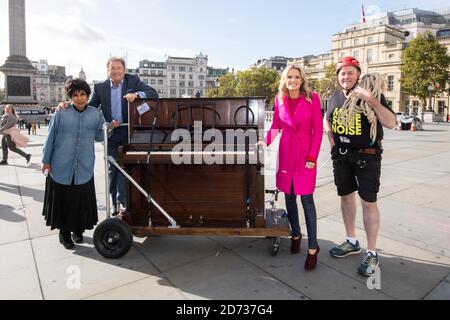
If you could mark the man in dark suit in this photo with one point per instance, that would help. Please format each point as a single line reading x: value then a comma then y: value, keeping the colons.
x: 112, y: 97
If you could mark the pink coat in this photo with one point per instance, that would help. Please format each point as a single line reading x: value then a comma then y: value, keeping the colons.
x: 300, y: 141
x: 19, y: 139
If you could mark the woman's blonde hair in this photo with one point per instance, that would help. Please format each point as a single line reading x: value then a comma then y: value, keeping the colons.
x: 12, y: 108
x: 304, y: 88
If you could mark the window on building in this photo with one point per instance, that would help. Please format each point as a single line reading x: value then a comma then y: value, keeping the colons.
x: 160, y: 82
x: 191, y: 83
x: 201, y: 69
x: 153, y: 65
x: 173, y: 82
x: 182, y: 76
x: 342, y: 54
x: 153, y: 81
x: 182, y: 92
x: 369, y: 39
x: 369, y: 55
x: 145, y: 81
x: 441, y: 105
x: 191, y: 69
x: 201, y: 77
x: 173, y: 91
x: 391, y: 56
x: 191, y: 92
x: 145, y: 71
x: 160, y: 73
x: 145, y: 65
x: 182, y: 69
x: 172, y: 68
x: 343, y: 44
x: 160, y: 91
x: 356, y: 54
x: 200, y: 83
x: 152, y: 72
x: 191, y: 77
x: 182, y: 84
x: 172, y: 76
x: 390, y: 84
x: 356, y: 42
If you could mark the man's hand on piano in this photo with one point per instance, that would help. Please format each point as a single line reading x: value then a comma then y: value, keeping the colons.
x: 62, y: 106
x: 130, y: 97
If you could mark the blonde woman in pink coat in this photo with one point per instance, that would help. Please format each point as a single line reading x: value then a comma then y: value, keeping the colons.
x: 298, y: 115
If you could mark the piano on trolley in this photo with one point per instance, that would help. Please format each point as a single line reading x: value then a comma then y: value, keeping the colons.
x: 193, y: 167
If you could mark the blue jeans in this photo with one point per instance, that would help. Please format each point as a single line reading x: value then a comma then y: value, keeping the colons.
x: 310, y: 216
x: 116, y: 179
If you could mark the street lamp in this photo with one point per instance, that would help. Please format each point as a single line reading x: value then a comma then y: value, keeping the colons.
x: 430, y: 90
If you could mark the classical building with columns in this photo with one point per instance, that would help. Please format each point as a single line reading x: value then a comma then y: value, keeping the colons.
x: 378, y: 44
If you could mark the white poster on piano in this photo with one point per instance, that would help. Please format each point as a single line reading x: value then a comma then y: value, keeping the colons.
x: 143, y: 108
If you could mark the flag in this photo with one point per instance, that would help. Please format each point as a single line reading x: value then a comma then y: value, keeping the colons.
x: 363, y: 15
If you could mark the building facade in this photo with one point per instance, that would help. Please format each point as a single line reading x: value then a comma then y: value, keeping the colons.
x: 187, y: 76
x: 278, y: 63
x: 49, y: 83
x: 379, y: 44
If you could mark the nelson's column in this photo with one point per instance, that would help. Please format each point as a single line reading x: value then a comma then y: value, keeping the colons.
x: 19, y: 72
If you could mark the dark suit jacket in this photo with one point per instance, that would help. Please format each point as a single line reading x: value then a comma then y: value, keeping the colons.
x: 101, y: 98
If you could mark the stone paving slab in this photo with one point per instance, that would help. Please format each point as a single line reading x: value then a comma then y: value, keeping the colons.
x: 413, y: 243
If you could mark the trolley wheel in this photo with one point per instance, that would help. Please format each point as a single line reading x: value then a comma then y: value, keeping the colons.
x: 113, y: 238
x: 274, y: 245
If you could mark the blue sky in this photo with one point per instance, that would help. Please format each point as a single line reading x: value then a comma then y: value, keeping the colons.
x: 233, y: 33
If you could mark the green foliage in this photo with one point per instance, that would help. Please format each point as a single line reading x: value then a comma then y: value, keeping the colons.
x: 261, y: 82
x: 327, y: 85
x: 424, y: 62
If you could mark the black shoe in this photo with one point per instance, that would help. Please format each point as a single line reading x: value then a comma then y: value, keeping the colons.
x: 66, y: 240
x: 114, y: 210
x: 3, y: 163
x: 77, y: 237
x: 122, y: 208
x: 28, y: 157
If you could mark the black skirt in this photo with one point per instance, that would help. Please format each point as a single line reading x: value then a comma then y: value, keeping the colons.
x: 71, y: 208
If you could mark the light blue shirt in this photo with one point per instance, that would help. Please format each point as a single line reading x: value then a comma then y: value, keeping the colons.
x: 69, y: 147
x: 116, y: 102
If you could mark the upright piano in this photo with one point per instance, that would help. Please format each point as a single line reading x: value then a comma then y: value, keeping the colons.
x: 198, y: 159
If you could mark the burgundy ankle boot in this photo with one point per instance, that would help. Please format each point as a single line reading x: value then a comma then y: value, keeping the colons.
x: 311, y: 260
x: 295, y: 245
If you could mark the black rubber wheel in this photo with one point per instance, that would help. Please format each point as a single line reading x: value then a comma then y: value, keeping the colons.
x: 113, y: 238
x: 274, y: 245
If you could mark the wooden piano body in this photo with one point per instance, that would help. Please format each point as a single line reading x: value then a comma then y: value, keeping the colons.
x: 224, y: 198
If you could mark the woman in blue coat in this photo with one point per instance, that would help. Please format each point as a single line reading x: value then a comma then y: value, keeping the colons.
x: 70, y: 204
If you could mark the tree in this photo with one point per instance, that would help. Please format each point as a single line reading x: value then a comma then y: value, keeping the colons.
x: 327, y: 85
x: 425, y: 62
x: 262, y: 82
x: 227, y: 87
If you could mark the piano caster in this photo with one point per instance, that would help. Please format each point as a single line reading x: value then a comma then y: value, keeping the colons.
x: 113, y: 238
x: 274, y: 245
